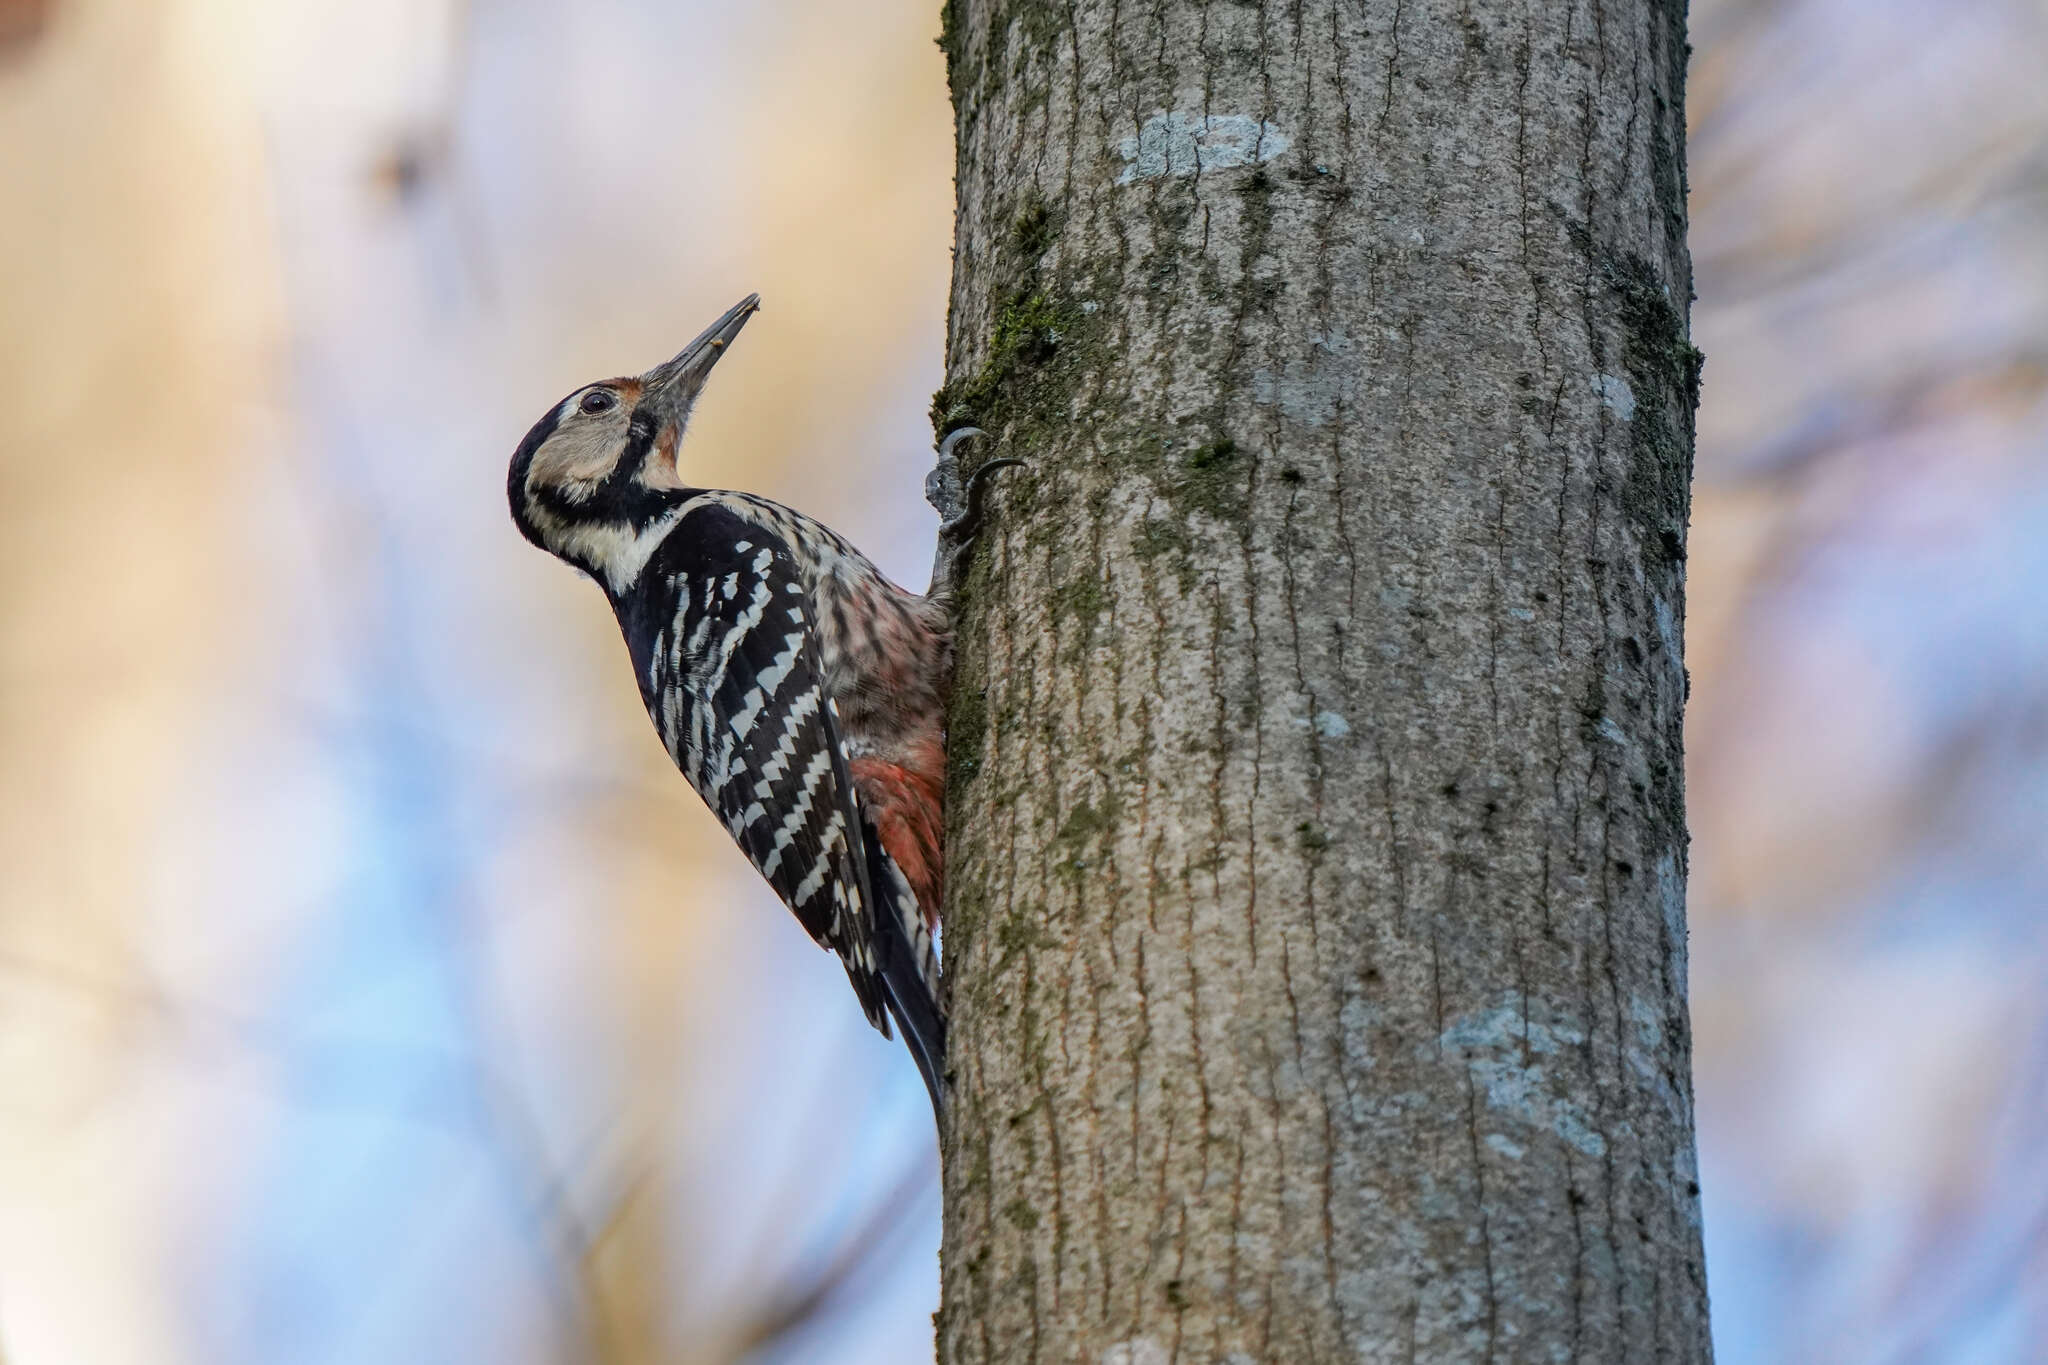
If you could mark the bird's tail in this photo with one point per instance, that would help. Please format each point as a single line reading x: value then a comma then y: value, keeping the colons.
x: 903, y: 953
x: 923, y: 1031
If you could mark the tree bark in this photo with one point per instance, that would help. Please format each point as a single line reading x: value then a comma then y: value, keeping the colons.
x: 1316, y: 874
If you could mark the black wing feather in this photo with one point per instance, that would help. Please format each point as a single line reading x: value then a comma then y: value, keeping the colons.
x: 735, y: 685
x: 763, y: 751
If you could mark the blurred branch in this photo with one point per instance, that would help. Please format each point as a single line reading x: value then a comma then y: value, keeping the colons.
x: 22, y: 22
x: 1716, y: 26
x: 1945, y: 388
x: 1725, y: 36
x: 418, y: 160
x: 1976, y: 181
x: 874, y: 1243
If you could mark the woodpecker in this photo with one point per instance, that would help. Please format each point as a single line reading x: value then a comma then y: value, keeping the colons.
x: 800, y: 692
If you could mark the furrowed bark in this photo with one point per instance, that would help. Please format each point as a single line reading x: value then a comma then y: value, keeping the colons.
x: 1315, y: 921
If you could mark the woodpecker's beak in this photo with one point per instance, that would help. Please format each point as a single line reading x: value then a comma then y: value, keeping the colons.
x: 675, y: 384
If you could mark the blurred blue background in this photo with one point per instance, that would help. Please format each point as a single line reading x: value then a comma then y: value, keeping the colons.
x: 370, y: 988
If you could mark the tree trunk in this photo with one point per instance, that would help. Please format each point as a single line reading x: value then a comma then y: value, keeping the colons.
x: 1316, y: 925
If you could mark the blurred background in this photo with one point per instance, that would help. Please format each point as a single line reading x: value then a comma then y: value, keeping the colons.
x: 371, y: 990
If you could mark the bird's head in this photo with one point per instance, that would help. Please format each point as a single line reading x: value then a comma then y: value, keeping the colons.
x: 594, y: 479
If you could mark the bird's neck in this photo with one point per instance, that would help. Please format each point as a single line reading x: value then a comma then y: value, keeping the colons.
x: 613, y: 544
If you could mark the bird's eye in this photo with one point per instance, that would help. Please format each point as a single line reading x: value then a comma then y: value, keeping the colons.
x: 599, y: 400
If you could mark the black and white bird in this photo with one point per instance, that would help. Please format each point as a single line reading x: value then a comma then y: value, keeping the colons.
x: 801, y: 693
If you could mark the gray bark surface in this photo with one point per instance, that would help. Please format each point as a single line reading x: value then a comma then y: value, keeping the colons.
x: 1315, y: 922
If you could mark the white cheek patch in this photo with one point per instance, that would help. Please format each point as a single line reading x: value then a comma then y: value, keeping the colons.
x: 584, y: 452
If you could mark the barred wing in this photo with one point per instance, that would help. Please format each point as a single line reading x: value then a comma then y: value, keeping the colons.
x: 737, y: 693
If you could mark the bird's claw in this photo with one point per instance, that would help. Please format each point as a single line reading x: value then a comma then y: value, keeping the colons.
x: 964, y: 499
x: 954, y: 438
x: 963, y: 527
x: 943, y: 487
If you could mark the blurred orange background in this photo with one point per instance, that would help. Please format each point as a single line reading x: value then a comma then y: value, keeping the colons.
x: 372, y: 990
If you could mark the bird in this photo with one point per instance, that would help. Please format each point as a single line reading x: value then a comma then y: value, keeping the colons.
x: 799, y: 691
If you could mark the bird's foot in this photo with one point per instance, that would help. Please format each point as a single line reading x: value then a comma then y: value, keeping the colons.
x: 960, y: 502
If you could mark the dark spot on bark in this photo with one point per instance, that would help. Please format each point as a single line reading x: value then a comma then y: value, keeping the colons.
x: 966, y: 727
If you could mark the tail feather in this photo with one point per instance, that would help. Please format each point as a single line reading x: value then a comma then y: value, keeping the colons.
x: 906, y: 978
x: 924, y: 1032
